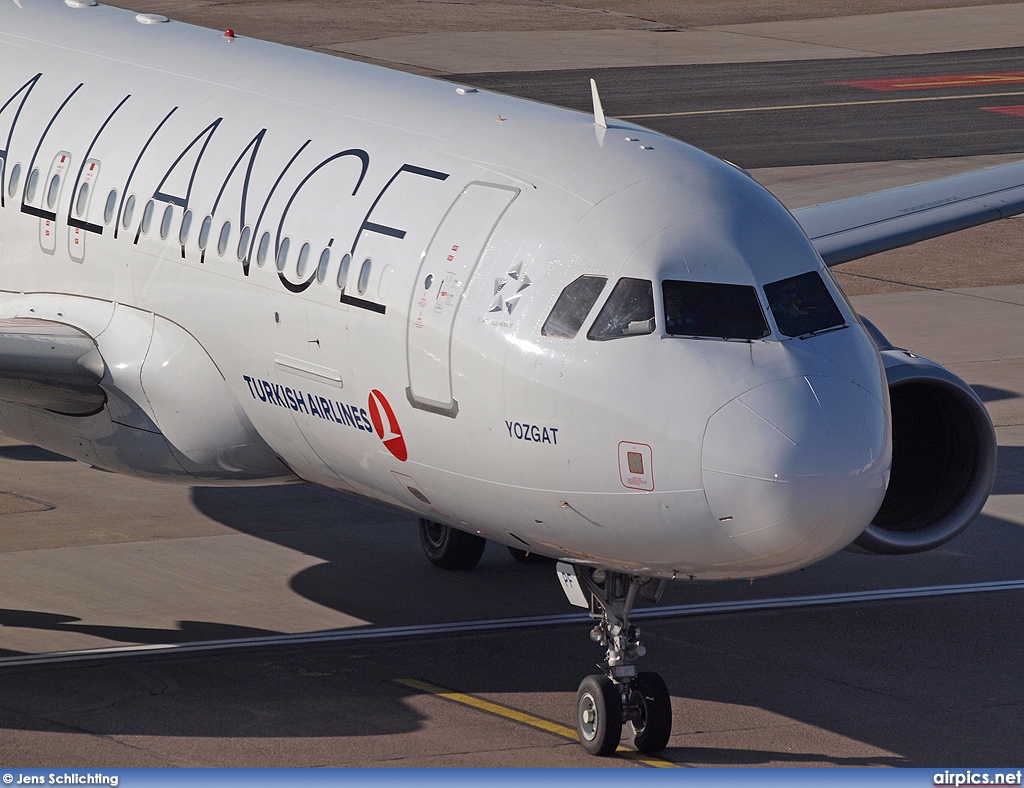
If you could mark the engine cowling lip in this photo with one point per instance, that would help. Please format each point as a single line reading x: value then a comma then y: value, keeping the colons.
x: 903, y: 368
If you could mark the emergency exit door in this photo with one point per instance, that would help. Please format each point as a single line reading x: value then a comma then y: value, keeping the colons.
x: 445, y: 271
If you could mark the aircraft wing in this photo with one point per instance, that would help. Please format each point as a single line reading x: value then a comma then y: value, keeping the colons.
x: 50, y: 365
x: 859, y: 226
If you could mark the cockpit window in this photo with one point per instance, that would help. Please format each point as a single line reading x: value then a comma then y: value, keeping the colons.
x: 572, y: 307
x: 629, y: 311
x: 713, y: 311
x: 802, y: 305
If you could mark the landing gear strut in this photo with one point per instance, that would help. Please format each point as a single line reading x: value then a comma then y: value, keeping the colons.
x: 622, y: 695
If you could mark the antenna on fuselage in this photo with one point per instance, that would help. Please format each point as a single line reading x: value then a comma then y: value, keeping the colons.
x: 599, y: 120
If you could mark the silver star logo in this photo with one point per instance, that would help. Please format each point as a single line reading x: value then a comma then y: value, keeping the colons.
x: 505, y: 297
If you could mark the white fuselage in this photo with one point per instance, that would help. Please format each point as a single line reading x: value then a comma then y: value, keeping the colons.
x: 422, y: 377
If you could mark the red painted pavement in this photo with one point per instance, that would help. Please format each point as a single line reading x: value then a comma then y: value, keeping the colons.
x: 945, y: 81
x: 1016, y: 110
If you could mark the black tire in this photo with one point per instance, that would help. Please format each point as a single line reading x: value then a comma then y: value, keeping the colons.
x: 651, y: 733
x: 524, y: 557
x: 599, y: 715
x: 450, y: 548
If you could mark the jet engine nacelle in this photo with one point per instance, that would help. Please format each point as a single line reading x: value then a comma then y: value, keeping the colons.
x: 944, y: 456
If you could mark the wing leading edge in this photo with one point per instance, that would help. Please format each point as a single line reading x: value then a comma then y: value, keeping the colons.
x: 860, y: 226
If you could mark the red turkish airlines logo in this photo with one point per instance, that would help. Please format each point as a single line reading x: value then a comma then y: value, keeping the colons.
x: 392, y: 434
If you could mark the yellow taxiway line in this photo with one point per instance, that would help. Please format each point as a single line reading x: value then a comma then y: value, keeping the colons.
x: 823, y: 105
x: 526, y: 719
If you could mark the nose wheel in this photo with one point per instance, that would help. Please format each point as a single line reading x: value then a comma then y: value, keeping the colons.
x: 599, y: 715
x: 622, y: 695
x: 652, y: 725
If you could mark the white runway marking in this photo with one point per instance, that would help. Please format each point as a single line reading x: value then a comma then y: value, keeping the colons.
x: 498, y: 624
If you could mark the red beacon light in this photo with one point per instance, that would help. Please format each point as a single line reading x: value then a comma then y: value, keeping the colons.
x: 229, y: 34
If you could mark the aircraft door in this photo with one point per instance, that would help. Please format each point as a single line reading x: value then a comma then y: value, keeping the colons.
x: 446, y: 269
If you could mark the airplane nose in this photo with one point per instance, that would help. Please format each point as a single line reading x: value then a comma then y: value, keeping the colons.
x: 796, y: 468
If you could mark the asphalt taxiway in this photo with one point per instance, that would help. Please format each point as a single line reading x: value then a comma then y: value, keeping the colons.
x: 143, y: 625
x: 806, y: 112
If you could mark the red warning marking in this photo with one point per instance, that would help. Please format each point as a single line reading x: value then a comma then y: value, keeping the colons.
x: 1017, y: 110
x: 943, y: 81
x: 393, y: 440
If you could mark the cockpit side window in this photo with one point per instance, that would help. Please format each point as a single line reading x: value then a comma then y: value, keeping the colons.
x: 572, y: 307
x: 628, y: 312
x: 802, y: 305
x: 713, y: 311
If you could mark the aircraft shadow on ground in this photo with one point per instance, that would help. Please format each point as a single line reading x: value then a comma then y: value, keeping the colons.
x: 866, y: 673
x: 869, y: 673
x: 26, y: 453
x: 1010, y: 475
x: 374, y: 568
x: 993, y: 394
x: 727, y: 756
x: 866, y: 677
x: 185, y: 632
x: 272, y: 695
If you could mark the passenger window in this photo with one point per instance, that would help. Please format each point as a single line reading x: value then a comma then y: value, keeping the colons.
x: 243, y: 242
x: 364, y: 276
x: 713, y: 311
x: 186, y: 226
x: 147, y: 217
x: 129, y: 211
x: 346, y: 261
x: 264, y: 250
x: 802, y: 305
x: 83, y: 200
x: 33, y: 185
x: 110, y: 207
x: 572, y: 307
x: 629, y: 311
x: 53, y: 191
x: 165, y: 223
x: 225, y: 234
x: 321, y: 269
x: 12, y: 187
x: 204, y: 233
x: 282, y: 255
x: 300, y: 266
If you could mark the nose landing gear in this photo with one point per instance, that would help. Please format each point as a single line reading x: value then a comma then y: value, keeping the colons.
x: 622, y: 695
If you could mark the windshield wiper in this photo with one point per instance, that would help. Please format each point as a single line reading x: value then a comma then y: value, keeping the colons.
x: 821, y: 331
